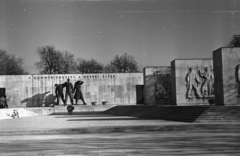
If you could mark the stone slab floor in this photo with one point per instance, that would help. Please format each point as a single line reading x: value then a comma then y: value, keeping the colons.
x: 193, y: 142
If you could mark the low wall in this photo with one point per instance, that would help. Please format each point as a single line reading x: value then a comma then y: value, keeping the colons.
x: 35, y: 90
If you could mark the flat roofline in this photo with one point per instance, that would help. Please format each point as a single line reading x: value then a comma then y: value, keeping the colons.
x: 228, y: 47
x: 156, y: 66
x: 194, y: 59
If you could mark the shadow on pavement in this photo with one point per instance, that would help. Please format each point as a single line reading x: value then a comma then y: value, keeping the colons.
x: 77, y: 116
x: 95, y: 117
x: 107, y: 119
x: 76, y: 113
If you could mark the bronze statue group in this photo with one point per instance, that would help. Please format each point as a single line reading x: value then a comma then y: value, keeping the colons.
x: 71, y: 92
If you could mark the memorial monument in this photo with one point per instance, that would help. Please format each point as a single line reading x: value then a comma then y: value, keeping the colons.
x: 226, y: 63
x: 192, y: 81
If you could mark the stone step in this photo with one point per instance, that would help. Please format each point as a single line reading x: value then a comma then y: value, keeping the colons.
x: 181, y: 113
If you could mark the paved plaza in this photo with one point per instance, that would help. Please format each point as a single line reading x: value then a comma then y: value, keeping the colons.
x: 127, y: 143
x: 77, y: 123
x: 101, y: 134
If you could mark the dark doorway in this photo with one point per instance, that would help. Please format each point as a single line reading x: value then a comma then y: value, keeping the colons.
x: 2, y: 92
x: 140, y: 94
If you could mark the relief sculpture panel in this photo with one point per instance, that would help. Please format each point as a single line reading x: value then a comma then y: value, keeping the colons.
x: 199, y: 82
x: 162, y: 83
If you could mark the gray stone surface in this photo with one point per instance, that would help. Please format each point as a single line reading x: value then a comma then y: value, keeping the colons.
x: 98, y: 123
x: 51, y: 123
x: 180, y: 69
x: 206, y: 142
x: 114, y: 135
x: 226, y: 62
x: 157, y: 85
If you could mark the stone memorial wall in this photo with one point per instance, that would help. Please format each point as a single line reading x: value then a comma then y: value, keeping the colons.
x: 35, y: 90
x: 157, y: 86
x: 192, y: 81
x: 227, y: 76
x: 17, y: 87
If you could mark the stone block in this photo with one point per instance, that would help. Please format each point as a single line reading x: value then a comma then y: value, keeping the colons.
x: 157, y: 86
x: 226, y: 76
x: 192, y: 88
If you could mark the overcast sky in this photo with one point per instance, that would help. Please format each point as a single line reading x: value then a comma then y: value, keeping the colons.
x: 155, y: 32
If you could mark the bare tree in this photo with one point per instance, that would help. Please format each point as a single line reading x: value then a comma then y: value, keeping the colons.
x: 10, y: 64
x: 235, y: 41
x: 50, y: 60
x: 68, y: 64
x: 125, y: 63
x: 54, y: 61
x: 89, y: 66
x: 81, y: 66
x: 110, y: 68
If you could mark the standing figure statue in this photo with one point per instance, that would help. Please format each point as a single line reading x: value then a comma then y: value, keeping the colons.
x: 208, y: 81
x: 59, y: 93
x: 69, y: 91
x: 78, y: 92
x: 4, y: 101
x: 192, y: 80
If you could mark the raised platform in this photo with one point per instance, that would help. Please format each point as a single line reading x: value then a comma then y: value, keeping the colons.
x: 38, y: 111
x: 197, y: 114
x: 112, y: 118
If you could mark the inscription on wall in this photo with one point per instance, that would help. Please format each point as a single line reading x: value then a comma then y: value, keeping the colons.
x: 74, y: 77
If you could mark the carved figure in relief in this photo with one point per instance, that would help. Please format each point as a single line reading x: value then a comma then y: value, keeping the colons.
x: 167, y: 85
x: 208, y: 79
x: 162, y: 86
x: 160, y: 90
x: 192, y: 83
